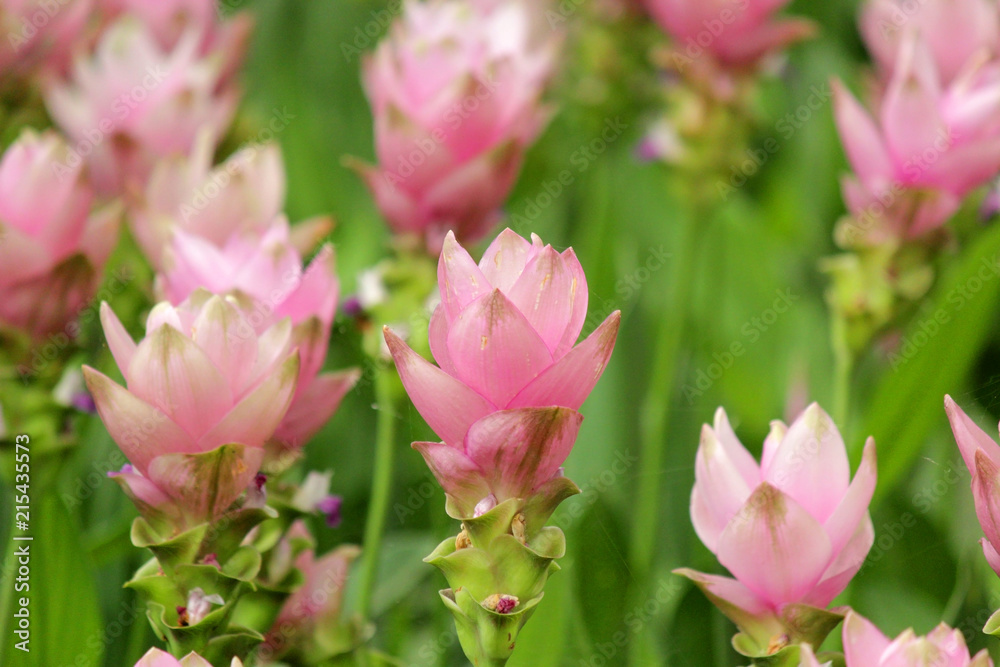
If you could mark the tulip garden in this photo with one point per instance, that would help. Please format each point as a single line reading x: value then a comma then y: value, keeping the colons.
x: 499, y: 332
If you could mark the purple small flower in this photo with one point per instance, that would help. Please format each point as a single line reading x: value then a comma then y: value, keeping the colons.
x: 330, y: 506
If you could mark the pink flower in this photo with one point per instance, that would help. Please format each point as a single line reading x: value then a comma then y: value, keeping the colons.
x: 133, y: 103
x: 793, y: 529
x: 956, y: 31
x: 982, y: 456
x: 40, y: 35
x: 52, y: 249
x: 510, y: 382
x: 243, y: 194
x: 808, y: 659
x: 455, y: 93
x: 202, y: 378
x: 267, y: 272
x: 735, y: 33
x: 929, y: 147
x: 865, y: 646
x: 157, y: 658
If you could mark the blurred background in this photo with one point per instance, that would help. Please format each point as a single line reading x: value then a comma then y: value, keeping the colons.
x: 755, y: 282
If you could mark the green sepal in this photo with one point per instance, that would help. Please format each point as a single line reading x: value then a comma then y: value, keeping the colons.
x: 488, y: 638
x: 799, y: 623
x: 237, y: 641
x: 992, y: 626
x: 791, y: 656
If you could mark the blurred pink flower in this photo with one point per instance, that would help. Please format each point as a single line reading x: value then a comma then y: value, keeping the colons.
x: 52, y: 249
x: 982, y: 456
x: 793, y: 529
x: 203, y: 377
x: 736, y: 33
x: 865, y: 646
x: 132, y: 103
x: 455, y: 91
x: 157, y: 658
x: 930, y: 145
x: 267, y: 273
x: 956, y: 31
x: 40, y: 34
x: 510, y: 382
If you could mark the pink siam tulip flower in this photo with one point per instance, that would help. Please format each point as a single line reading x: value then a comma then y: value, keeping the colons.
x: 736, y: 34
x: 52, y: 249
x: 455, y: 91
x: 202, y: 378
x: 157, y: 658
x: 865, y: 646
x: 929, y: 146
x: 982, y: 456
x: 133, y: 103
x: 808, y: 659
x: 793, y: 529
x: 510, y: 382
x: 39, y: 34
x: 267, y: 272
x: 956, y: 31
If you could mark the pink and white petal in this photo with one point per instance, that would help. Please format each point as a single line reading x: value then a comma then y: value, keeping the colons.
x: 312, y: 408
x: 545, y: 296
x: 316, y: 293
x: 448, y: 405
x: 744, y: 608
x: 861, y: 137
x: 460, y: 280
x: 992, y: 557
x: 853, y: 508
x: 811, y: 463
x: 170, y: 371
x: 863, y: 643
x: 844, y: 567
x: 708, y: 524
x: 719, y: 484
x: 217, y: 332
x: 154, y: 657
x: 570, y: 380
x: 457, y: 474
x: 437, y: 337
x: 253, y: 420
x: 205, y: 489
x: 771, y: 443
x: 495, y: 349
x: 139, y: 429
x: 986, y: 494
x: 969, y: 436
x: 580, y: 296
x: 194, y: 660
x: 518, y: 450
x: 505, y: 259
x: 738, y: 454
x: 775, y: 547
x: 121, y: 343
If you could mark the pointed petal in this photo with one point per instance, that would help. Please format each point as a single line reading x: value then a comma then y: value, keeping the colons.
x: 505, y: 259
x: 224, y: 335
x: 771, y: 443
x: 121, y: 343
x: 545, y: 295
x: 774, y: 547
x: 992, y: 557
x: 206, y: 484
x: 862, y: 139
x: 139, y: 429
x: 437, y: 337
x: 570, y: 380
x: 460, y: 280
x: 853, y: 508
x: 313, y: 407
x: 447, y: 405
x: 969, y: 436
x: 738, y: 454
x: 457, y: 474
x: 748, y: 611
x: 580, y: 296
x: 518, y: 450
x: 719, y: 486
x: 846, y: 565
x: 863, y: 643
x: 986, y: 493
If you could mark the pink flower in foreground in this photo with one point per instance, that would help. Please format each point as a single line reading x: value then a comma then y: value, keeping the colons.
x: 157, y: 658
x: 133, y: 103
x: 982, y: 456
x: 792, y: 529
x: 808, y: 659
x: 52, y: 249
x: 510, y: 382
x: 267, y: 273
x: 200, y: 379
x: 455, y: 92
x: 865, y: 646
x: 929, y: 146
x: 40, y: 34
x: 736, y: 32
x: 956, y: 31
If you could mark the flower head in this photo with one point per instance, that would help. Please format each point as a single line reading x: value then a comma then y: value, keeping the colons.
x: 157, y: 658
x: 865, y: 646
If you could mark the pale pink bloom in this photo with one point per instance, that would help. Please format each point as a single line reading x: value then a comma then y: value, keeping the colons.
x: 132, y: 103
x: 807, y: 658
x: 866, y: 646
x: 455, y: 90
x: 243, y: 194
x: 157, y: 658
x: 956, y: 31
x: 203, y: 377
x: 40, y: 35
x: 792, y: 529
x: 268, y: 272
x: 510, y: 370
x: 929, y: 145
x: 736, y: 34
x: 52, y: 249
x: 982, y: 456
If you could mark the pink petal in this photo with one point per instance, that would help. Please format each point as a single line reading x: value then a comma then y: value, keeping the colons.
x: 720, y: 489
x: 771, y: 443
x: 863, y: 643
x: 194, y: 660
x: 752, y: 614
x: 121, y: 343
x: 986, y: 493
x: 205, y: 492
x: 853, y: 508
x: 811, y: 463
x: 992, y: 557
x: 774, y: 547
x: 505, y: 259
x: 312, y: 408
x: 969, y: 436
x: 154, y: 657
x: 459, y: 279
x: 861, y: 138
x: 545, y: 295
x: 847, y: 564
x: 447, y: 405
x: 225, y: 336
x: 738, y: 454
x: 580, y: 296
x: 518, y: 450
x: 570, y: 380
x: 437, y: 338
x: 316, y: 293
x: 457, y: 474
x: 139, y: 429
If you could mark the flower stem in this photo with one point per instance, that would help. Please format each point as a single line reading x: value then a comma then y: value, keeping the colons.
x: 385, y: 441
x: 843, y: 372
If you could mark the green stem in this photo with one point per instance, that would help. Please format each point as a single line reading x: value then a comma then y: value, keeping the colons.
x: 843, y: 372
x: 385, y: 441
